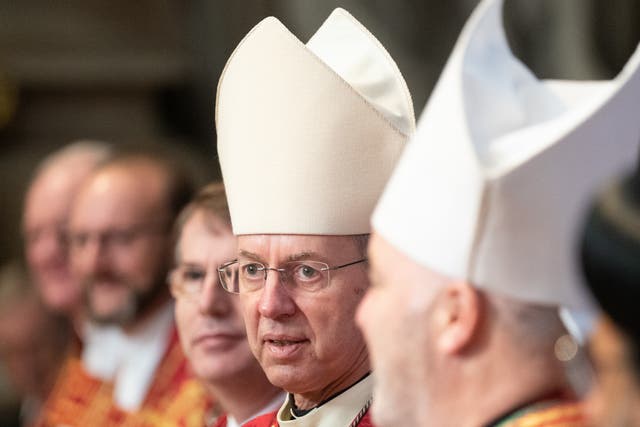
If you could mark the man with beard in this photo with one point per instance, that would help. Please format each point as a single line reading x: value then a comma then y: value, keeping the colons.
x: 131, y: 367
x: 472, y: 250
x: 307, y: 136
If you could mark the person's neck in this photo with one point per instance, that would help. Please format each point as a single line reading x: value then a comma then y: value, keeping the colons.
x: 513, y: 382
x: 318, y: 397
x: 244, y: 395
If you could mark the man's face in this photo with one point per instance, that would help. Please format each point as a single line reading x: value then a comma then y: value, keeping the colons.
x: 615, y: 398
x: 120, y: 242
x: 306, y: 342
x: 394, y: 316
x: 45, y: 219
x: 210, y: 323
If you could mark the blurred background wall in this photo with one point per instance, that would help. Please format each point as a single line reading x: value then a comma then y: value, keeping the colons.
x: 146, y: 70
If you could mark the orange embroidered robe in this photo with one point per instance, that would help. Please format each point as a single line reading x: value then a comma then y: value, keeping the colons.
x: 557, y: 414
x: 173, y: 399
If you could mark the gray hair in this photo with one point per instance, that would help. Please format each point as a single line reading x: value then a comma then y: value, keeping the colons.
x: 361, y: 241
x: 531, y: 326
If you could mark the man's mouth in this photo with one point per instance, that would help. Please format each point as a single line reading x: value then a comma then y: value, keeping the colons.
x: 282, y: 343
x: 284, y: 347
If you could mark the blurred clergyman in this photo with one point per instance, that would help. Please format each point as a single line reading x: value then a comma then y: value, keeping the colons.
x: 473, y: 239
x: 209, y: 320
x: 307, y: 137
x: 120, y: 246
x: 45, y: 221
x: 611, y: 262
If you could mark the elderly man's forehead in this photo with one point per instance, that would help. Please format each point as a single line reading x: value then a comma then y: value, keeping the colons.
x: 289, y: 247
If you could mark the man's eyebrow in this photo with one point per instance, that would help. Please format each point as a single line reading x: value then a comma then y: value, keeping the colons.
x: 304, y: 256
x: 251, y: 255
x: 300, y: 256
x: 190, y: 264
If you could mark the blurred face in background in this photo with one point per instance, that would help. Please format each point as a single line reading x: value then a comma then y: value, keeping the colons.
x: 209, y: 319
x: 615, y: 399
x: 396, y: 318
x: 119, y: 240
x: 46, y: 213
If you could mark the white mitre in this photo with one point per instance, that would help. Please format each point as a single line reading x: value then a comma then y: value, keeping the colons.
x: 492, y: 187
x: 309, y: 134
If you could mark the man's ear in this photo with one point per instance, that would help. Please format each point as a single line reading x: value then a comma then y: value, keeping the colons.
x: 458, y: 314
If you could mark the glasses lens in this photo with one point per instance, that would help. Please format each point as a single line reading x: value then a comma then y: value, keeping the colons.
x: 187, y: 281
x: 229, y: 278
x: 251, y: 276
x: 308, y: 275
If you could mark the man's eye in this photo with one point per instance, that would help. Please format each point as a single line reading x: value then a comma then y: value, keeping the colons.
x: 306, y: 272
x: 119, y: 237
x: 193, y: 275
x: 78, y: 240
x: 252, y: 270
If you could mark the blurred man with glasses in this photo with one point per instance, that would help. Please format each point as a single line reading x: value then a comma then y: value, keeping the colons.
x: 45, y: 220
x: 307, y: 136
x: 131, y: 368
x: 209, y: 319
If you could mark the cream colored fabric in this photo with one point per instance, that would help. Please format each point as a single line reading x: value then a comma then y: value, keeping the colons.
x: 129, y: 360
x: 492, y: 187
x: 338, y: 412
x: 350, y: 50
x: 302, y: 149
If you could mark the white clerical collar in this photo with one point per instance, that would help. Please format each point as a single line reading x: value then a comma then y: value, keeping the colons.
x: 128, y: 360
x: 270, y: 407
x: 337, y: 412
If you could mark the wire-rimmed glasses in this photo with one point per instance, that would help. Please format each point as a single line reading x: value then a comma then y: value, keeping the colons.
x: 242, y: 276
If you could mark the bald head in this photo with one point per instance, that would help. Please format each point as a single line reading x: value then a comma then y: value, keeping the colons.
x: 46, y: 211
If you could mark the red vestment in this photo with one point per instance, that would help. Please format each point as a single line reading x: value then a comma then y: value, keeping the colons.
x: 174, y: 398
x: 271, y: 420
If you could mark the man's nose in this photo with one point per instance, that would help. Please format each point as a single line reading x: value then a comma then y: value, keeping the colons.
x: 213, y: 300
x: 91, y: 256
x: 275, y: 300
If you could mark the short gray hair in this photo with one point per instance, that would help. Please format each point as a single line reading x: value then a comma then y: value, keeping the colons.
x: 361, y: 241
x: 534, y: 327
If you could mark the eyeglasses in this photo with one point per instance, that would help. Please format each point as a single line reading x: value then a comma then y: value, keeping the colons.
x: 117, y: 237
x: 240, y: 277
x: 187, y: 281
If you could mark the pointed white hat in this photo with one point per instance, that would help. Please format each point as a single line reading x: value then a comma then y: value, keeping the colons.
x: 491, y: 188
x: 309, y: 134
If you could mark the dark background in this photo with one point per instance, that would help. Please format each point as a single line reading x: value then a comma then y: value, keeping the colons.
x: 146, y: 70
